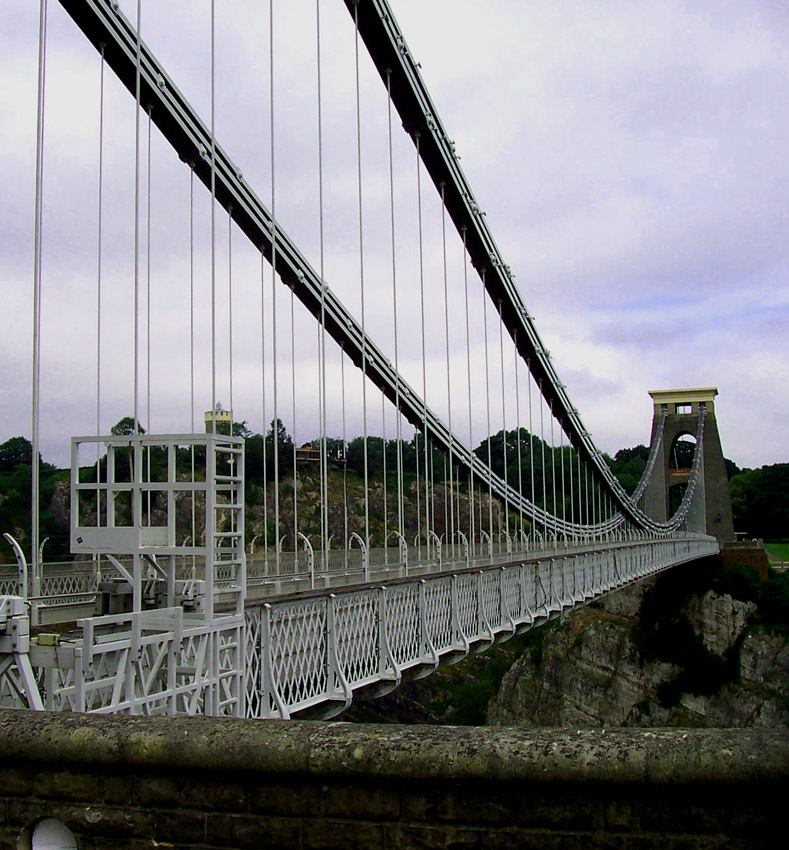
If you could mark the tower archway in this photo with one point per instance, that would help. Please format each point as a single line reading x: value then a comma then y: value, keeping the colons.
x: 675, y: 459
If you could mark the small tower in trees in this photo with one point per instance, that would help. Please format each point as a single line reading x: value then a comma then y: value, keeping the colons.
x: 222, y: 419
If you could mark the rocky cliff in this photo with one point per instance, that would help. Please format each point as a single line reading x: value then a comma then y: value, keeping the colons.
x: 701, y: 645
x: 671, y: 651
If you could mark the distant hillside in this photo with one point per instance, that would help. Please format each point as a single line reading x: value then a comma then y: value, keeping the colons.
x: 760, y: 497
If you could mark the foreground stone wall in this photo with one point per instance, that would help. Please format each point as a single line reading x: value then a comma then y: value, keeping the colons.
x: 190, y: 782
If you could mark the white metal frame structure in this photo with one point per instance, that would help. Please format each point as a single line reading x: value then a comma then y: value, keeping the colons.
x: 172, y: 651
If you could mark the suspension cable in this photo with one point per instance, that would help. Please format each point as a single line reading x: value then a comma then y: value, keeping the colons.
x: 98, y: 261
x: 468, y: 376
x: 422, y: 318
x: 149, y: 494
x: 230, y: 310
x: 192, y: 295
x: 138, y: 48
x: 564, y: 492
x: 530, y: 379
x: 322, y: 339
x: 383, y: 457
x: 542, y: 449
x: 446, y: 498
x: 555, y: 511
x: 213, y: 223
x: 37, y: 229
x: 449, y: 371
x: 193, y: 506
x: 148, y: 286
x: 504, y: 426
x: 572, y: 486
x: 321, y: 470
x: 518, y: 426
x: 361, y: 279
x: 580, y: 491
x: 345, y: 451
x: 263, y: 400
x: 275, y: 421
x: 418, y: 489
x: 398, y: 417
x: 293, y: 413
x: 487, y: 408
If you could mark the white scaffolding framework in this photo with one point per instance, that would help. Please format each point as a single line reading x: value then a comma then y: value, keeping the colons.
x: 165, y: 514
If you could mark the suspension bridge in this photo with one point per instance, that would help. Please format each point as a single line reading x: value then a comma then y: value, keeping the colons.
x: 366, y: 298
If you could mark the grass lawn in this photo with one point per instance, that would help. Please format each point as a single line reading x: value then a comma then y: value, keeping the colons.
x: 780, y: 551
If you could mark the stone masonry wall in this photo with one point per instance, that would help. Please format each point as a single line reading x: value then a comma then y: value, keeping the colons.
x: 221, y: 784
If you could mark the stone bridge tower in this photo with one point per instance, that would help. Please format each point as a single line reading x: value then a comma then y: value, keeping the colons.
x: 682, y: 418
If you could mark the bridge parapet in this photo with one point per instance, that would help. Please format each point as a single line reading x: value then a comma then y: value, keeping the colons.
x: 227, y: 784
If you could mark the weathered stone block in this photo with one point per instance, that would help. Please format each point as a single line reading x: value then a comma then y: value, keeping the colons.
x: 120, y: 823
x: 545, y: 840
x: 116, y: 789
x: 67, y: 785
x: 285, y: 798
x: 15, y: 782
x: 219, y: 794
x: 180, y: 828
x: 413, y: 837
x: 667, y: 841
x: 618, y: 813
x: 157, y: 791
x: 560, y: 808
x: 478, y: 803
x: 419, y: 803
x: 360, y: 801
x: 698, y: 815
x: 244, y: 831
x: 22, y: 813
x: 334, y: 835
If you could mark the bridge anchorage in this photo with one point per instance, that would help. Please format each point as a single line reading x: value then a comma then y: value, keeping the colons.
x: 170, y: 613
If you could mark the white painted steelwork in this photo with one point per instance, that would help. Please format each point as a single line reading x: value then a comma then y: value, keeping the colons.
x: 317, y: 651
x: 314, y: 651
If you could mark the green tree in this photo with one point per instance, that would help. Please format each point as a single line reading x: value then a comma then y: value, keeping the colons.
x: 13, y: 452
x: 125, y: 426
x: 628, y: 466
x: 284, y: 449
x: 240, y: 429
x: 761, y: 500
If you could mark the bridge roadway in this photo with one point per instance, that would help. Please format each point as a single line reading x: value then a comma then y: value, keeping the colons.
x: 73, y: 590
x: 311, y: 650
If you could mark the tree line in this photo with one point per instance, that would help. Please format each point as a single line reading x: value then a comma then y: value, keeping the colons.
x: 760, y: 497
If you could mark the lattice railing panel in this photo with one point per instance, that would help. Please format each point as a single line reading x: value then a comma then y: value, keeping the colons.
x: 511, y: 593
x: 438, y: 613
x: 357, y: 636
x: 404, y: 623
x: 491, y: 597
x: 299, y: 660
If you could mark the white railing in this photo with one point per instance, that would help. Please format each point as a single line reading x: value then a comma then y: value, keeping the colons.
x: 316, y: 651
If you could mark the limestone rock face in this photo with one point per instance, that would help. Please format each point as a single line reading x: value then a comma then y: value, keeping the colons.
x: 718, y: 620
x: 590, y: 673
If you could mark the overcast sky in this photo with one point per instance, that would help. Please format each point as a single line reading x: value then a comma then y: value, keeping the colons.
x: 630, y: 158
